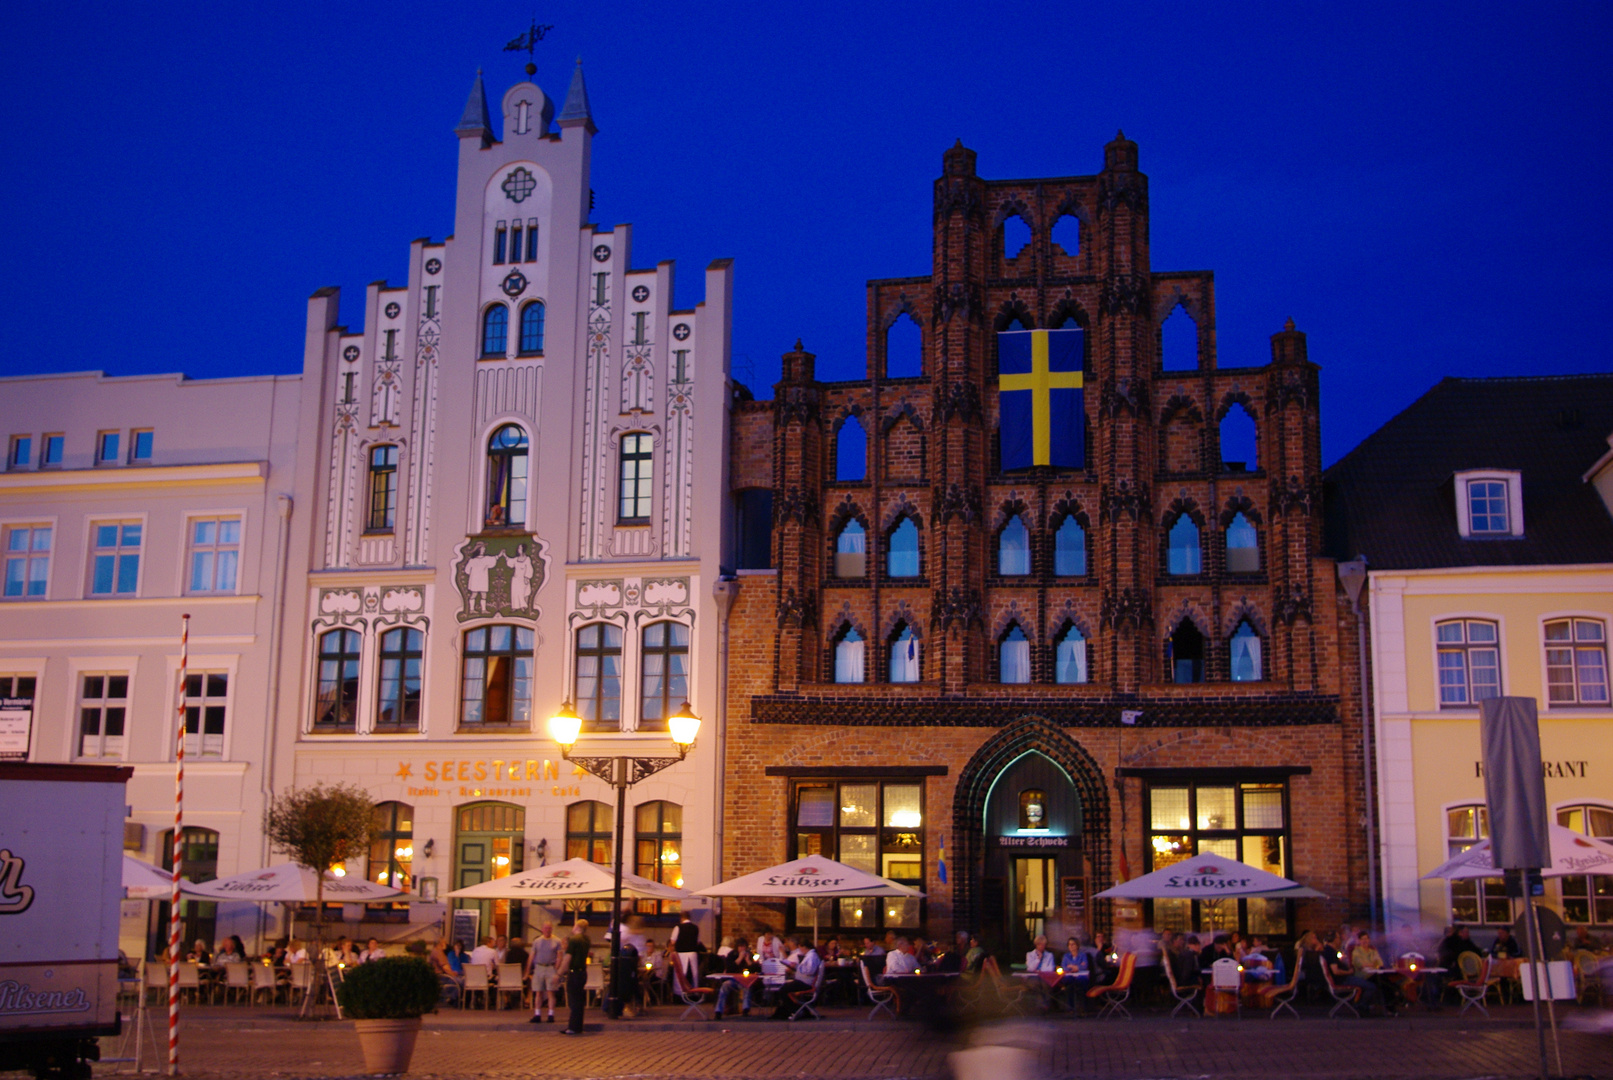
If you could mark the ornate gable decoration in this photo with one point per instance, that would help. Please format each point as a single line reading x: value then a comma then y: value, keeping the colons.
x: 500, y: 575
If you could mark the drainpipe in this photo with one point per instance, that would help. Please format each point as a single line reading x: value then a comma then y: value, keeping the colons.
x: 271, y: 718
x: 1353, y: 576
x: 723, y: 590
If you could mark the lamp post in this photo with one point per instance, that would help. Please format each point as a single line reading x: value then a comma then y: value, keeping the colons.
x: 621, y: 772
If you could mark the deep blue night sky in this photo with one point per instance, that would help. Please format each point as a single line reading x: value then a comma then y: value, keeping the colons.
x: 1423, y: 187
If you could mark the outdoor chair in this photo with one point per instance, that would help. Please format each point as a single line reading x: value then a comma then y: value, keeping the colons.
x: 1588, y: 970
x: 1010, y: 992
x: 476, y: 982
x: 1183, y: 995
x: 1475, y: 984
x: 509, y: 982
x: 264, y: 982
x: 237, y: 980
x: 190, y: 980
x: 156, y: 984
x: 694, y: 998
x: 1282, y: 994
x: 1115, y: 995
x: 594, y: 982
x: 1226, y: 977
x: 808, y: 998
x: 301, y: 982
x: 883, y: 997
x: 1344, y: 997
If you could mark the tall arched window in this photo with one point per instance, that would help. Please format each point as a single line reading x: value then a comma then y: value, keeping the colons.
x: 1070, y: 549
x: 495, y: 330
x: 1245, y: 649
x: 506, y: 477
x: 1014, y: 657
x: 851, y: 450
x: 497, y: 687
x: 1070, y: 658
x: 1014, y: 549
x: 1183, y: 556
x: 664, y: 661
x: 598, y: 685
x: 658, y: 835
x: 392, y: 845
x: 904, y: 656
x: 849, y: 657
x: 402, y: 650
x: 336, y: 708
x: 851, y: 551
x: 383, y: 487
x: 903, y: 558
x: 1184, y: 654
x: 1243, y: 546
x: 532, y: 328
x: 904, y: 348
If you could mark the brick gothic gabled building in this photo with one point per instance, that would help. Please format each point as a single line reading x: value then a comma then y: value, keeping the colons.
x: 1026, y: 700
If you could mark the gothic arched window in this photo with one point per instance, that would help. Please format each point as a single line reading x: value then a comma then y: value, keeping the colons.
x: 902, y: 560
x: 1014, y: 657
x: 1014, y: 549
x: 495, y: 330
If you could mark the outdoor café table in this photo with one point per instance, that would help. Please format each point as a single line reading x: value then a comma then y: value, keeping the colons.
x: 769, y: 982
x: 920, y: 991
x: 1220, y: 1002
x: 1052, y: 980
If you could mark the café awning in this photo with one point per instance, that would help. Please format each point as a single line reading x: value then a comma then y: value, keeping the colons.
x: 574, y: 879
x: 808, y: 878
x: 142, y: 881
x: 289, y: 883
x: 1209, y: 877
x: 1571, y: 853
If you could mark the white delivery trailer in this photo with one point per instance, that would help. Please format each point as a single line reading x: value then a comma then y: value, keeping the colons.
x: 61, y: 880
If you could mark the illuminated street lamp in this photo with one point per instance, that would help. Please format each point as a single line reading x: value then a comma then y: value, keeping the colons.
x: 621, y: 772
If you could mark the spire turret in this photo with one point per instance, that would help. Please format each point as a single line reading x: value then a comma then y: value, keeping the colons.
x: 576, y: 111
x: 476, y: 121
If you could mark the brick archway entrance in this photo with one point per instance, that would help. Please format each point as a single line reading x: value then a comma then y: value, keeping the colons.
x: 1026, y: 735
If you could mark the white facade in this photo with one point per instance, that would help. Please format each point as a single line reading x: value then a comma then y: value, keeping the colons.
x: 167, y: 496
x: 426, y: 556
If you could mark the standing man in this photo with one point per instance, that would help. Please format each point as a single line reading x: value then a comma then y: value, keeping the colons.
x: 686, y: 943
x: 545, y: 981
x: 574, y: 963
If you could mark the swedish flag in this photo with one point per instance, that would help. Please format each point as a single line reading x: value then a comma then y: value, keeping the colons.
x: 1043, y: 421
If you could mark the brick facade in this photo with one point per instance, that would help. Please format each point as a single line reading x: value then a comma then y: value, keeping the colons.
x: 1153, y: 456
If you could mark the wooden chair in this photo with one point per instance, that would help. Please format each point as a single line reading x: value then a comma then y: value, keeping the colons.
x: 476, y: 982
x: 237, y: 980
x: 264, y: 981
x: 509, y: 982
x: 1344, y: 997
x: 1283, y: 994
x: 1475, y: 984
x: 1116, y: 994
x: 694, y: 998
x: 1010, y: 992
x: 1183, y: 996
x: 1226, y: 977
x: 883, y: 997
x: 808, y: 998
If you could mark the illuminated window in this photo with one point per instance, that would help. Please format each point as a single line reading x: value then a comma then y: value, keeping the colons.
x: 1246, y: 821
x: 507, y: 477
x: 588, y: 831
x: 1245, y: 650
x: 1070, y: 658
x: 850, y: 657
x: 1474, y: 900
x: 872, y: 825
x: 1014, y: 657
x: 392, y: 846
x: 904, y: 661
x: 658, y: 835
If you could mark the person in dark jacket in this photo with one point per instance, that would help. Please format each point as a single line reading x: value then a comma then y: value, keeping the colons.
x: 686, y: 944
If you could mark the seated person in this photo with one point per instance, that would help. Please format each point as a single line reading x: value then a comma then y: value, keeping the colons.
x: 1039, y: 958
x: 738, y: 961
x: 872, y: 947
x: 1345, y: 975
x: 1506, y: 946
x: 1364, y: 958
x: 1455, y: 944
x: 484, y: 954
x: 199, y: 953
x: 951, y: 961
x: 373, y: 952
x: 1183, y: 957
x: 902, y: 961
x: 1077, y: 974
x: 449, y: 977
x: 295, y: 953
x: 974, y: 956
x: 1102, y: 959
x: 1257, y: 965
x: 803, y: 978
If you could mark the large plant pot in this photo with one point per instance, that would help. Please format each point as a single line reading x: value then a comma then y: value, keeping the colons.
x: 387, y: 1044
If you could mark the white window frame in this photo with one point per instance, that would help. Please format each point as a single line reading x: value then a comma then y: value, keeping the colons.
x: 6, y: 525
x: 12, y: 464
x: 134, y: 436
x: 1545, y: 668
x: 363, y: 701
x: 101, y: 458
x: 77, y: 668
x: 1514, y: 485
x: 1566, y: 804
x: 1445, y: 840
x: 193, y: 516
x: 198, y: 664
x: 90, y: 525
x: 1502, y: 653
x: 370, y: 662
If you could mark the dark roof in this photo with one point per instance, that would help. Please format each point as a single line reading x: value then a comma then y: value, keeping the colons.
x: 1393, y: 500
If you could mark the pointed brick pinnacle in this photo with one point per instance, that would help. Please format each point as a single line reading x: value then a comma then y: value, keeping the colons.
x: 798, y: 345
x: 1289, y: 325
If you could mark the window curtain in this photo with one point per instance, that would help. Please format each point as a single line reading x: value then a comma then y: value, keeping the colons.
x: 849, y: 658
x: 1016, y: 659
x: 1070, y: 660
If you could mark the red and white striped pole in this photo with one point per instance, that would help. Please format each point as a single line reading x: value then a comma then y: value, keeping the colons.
x: 179, y: 854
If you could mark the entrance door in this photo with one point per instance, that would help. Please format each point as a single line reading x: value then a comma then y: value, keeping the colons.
x: 489, y: 844
x: 1035, y: 897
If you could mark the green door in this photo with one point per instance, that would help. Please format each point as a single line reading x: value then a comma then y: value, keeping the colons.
x: 489, y: 844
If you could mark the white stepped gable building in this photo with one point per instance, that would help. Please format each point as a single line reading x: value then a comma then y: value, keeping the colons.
x: 518, y: 474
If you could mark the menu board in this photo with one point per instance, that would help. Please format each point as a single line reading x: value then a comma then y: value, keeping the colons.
x: 463, y: 932
x: 16, y: 724
x: 1073, y: 897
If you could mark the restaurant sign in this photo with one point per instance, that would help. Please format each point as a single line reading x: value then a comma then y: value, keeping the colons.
x: 488, y: 778
x: 1055, y: 843
x: 16, y: 725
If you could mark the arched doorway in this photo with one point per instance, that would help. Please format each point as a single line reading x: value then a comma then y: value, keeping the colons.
x: 489, y: 839
x: 1014, y: 858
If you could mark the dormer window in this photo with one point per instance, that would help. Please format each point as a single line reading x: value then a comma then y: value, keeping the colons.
x: 1489, y: 504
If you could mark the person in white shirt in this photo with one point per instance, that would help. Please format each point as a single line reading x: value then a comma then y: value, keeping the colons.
x: 769, y: 947
x: 484, y: 954
x: 901, y: 961
x: 804, y: 964
x: 295, y: 953
x: 1039, y: 959
x: 374, y: 952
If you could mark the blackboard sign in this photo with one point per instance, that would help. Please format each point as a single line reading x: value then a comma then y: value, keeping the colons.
x: 463, y: 930
x: 16, y: 727
x: 1073, y: 897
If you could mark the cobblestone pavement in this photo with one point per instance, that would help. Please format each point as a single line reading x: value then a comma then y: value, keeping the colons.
x: 263, y: 1043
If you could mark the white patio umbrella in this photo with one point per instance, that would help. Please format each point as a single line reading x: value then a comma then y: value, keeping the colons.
x: 1571, y: 853
x: 813, y: 878
x: 574, y: 879
x: 142, y: 881
x: 1209, y: 877
x: 288, y: 883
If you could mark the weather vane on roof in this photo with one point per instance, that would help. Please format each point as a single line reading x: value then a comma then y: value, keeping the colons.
x: 528, y: 42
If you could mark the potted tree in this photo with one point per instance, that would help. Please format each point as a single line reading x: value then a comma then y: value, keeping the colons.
x: 386, y: 999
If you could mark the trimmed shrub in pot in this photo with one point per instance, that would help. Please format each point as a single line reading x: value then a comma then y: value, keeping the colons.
x: 385, y: 999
